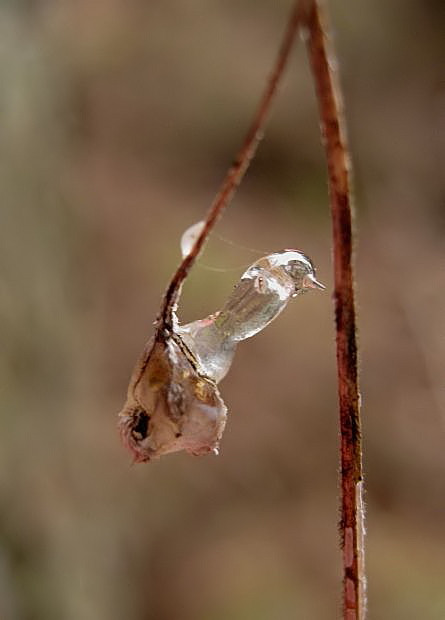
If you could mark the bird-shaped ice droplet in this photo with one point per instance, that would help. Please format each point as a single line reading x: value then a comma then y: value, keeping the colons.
x: 262, y: 293
x: 173, y: 402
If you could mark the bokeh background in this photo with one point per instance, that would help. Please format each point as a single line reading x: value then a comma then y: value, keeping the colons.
x: 118, y: 122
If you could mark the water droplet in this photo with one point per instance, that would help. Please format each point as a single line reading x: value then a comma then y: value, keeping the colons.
x: 262, y: 293
x: 189, y: 237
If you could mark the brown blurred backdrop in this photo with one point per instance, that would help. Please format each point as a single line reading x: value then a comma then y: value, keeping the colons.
x: 118, y: 122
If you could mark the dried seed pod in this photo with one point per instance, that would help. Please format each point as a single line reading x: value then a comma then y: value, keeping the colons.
x: 170, y: 406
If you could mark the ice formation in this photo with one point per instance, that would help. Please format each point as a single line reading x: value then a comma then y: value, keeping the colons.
x: 173, y: 401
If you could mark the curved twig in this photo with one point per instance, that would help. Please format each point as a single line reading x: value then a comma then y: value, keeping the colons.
x: 308, y: 14
x: 235, y: 173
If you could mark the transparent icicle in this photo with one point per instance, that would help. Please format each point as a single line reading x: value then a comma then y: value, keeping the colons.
x: 262, y: 293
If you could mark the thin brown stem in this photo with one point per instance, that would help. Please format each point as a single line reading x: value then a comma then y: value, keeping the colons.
x: 330, y: 107
x: 236, y: 172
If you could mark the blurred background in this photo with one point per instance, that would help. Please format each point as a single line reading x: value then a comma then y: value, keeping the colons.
x: 118, y: 122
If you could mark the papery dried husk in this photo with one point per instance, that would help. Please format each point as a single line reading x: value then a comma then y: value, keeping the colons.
x: 170, y: 406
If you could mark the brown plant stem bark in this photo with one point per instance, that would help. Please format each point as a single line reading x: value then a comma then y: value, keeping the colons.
x: 323, y: 63
x: 236, y: 172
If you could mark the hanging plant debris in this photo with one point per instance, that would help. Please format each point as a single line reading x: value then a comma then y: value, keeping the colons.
x: 173, y: 401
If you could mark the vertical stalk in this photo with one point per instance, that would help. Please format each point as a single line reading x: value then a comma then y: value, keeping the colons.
x: 323, y: 63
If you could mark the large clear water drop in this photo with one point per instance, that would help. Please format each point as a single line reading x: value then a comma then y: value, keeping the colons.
x: 261, y: 294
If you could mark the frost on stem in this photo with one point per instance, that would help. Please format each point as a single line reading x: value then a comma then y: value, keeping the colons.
x: 173, y: 401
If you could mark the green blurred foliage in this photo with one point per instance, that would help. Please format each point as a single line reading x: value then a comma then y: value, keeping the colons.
x: 119, y: 120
